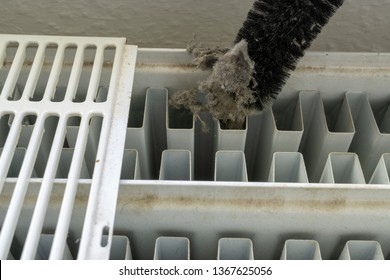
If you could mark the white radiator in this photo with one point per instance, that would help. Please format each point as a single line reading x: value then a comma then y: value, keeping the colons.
x: 95, y: 163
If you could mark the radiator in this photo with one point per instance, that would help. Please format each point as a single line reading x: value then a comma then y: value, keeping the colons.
x: 96, y: 164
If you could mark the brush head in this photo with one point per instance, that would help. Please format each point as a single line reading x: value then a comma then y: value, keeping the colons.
x: 277, y: 33
x: 267, y: 48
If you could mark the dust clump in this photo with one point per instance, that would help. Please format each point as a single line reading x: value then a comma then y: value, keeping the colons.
x: 229, y: 97
x: 189, y: 99
x: 204, y: 57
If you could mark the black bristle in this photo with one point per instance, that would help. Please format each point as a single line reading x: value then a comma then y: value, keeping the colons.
x: 278, y: 32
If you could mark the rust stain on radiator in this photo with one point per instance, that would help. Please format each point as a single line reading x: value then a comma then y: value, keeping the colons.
x: 340, y: 70
x: 186, y: 67
x: 151, y: 202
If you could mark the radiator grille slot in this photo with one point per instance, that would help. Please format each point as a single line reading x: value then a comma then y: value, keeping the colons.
x: 93, y: 166
x: 235, y: 249
x: 301, y: 250
x: 362, y: 250
x: 172, y: 248
x: 288, y: 167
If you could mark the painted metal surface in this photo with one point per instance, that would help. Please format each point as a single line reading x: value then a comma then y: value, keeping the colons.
x: 85, y: 213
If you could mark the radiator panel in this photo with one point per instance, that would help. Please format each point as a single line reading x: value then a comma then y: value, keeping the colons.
x: 96, y: 164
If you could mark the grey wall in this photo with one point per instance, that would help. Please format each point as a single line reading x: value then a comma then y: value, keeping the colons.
x: 360, y: 25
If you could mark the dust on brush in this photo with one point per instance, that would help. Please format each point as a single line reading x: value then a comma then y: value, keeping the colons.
x: 228, y: 94
x: 204, y: 57
x: 230, y: 98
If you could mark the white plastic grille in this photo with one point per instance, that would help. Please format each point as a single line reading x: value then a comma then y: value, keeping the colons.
x: 60, y: 106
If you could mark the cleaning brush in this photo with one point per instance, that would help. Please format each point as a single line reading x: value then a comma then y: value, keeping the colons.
x: 247, y: 77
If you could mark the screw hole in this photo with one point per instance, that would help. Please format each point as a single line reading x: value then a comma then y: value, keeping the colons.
x: 104, y: 240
